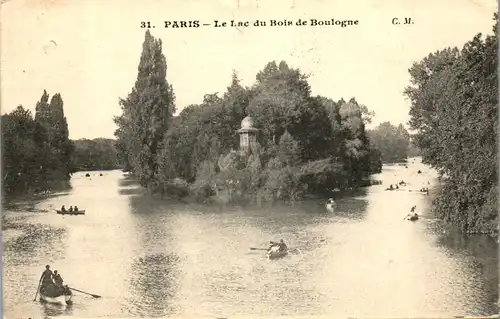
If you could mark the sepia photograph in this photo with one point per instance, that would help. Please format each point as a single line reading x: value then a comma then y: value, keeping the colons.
x: 249, y: 159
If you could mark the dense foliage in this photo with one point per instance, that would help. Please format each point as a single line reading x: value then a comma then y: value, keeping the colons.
x: 146, y: 114
x: 36, y: 150
x: 96, y: 154
x: 454, y: 96
x: 393, y: 142
x: 306, y: 143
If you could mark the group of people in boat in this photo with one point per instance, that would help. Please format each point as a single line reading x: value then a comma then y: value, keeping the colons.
x: 71, y: 209
x: 396, y: 186
x: 424, y: 190
x: 52, y: 283
x: 281, y: 245
x: 391, y: 188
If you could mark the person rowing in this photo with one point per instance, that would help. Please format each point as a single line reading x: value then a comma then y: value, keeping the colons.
x: 281, y: 245
x: 412, y: 215
x: 46, y: 277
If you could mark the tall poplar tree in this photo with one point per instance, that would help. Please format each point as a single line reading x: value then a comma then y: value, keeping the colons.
x: 62, y: 145
x: 58, y: 147
x: 146, y: 113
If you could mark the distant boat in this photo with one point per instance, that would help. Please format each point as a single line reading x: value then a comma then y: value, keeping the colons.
x: 330, y: 205
x: 413, y: 217
x: 79, y: 212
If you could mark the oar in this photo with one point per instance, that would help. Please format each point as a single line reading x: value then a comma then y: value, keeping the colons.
x: 38, y: 288
x: 95, y: 296
x: 253, y: 248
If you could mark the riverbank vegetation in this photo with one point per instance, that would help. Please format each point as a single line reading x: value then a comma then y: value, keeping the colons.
x: 393, y: 142
x: 92, y: 155
x: 38, y: 155
x: 454, y: 97
x: 307, y: 144
x: 36, y: 149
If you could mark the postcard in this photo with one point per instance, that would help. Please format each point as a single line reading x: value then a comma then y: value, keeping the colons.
x: 249, y: 159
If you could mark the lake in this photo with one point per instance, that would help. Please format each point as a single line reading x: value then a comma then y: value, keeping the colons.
x: 152, y: 258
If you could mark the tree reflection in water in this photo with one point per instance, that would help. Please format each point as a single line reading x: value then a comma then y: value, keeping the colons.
x: 153, y: 281
x: 482, y: 253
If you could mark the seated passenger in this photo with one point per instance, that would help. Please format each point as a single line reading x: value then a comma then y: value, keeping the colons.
x: 58, y: 279
x: 282, y: 245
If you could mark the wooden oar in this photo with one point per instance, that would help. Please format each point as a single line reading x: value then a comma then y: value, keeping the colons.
x: 253, y: 248
x: 95, y: 296
x: 38, y: 288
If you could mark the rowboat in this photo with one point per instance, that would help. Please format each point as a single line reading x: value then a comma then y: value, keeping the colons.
x: 275, y: 253
x: 412, y: 218
x: 330, y: 205
x: 80, y: 212
x: 61, y: 298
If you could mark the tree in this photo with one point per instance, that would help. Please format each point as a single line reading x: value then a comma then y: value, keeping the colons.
x: 58, y: 148
x: 60, y: 141
x: 454, y: 110
x: 96, y: 154
x: 281, y: 101
x: 146, y: 113
x: 392, y: 142
x: 22, y: 167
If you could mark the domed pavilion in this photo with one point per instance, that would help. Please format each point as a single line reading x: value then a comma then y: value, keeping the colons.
x: 248, y: 134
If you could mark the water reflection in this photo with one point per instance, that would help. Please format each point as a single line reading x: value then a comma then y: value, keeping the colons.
x: 153, y: 285
x: 52, y: 310
x: 478, y: 255
x: 149, y: 258
x: 155, y: 272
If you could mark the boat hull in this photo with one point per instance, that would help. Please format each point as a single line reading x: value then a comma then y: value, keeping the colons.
x: 330, y: 207
x: 80, y: 212
x: 274, y: 254
x: 60, y: 300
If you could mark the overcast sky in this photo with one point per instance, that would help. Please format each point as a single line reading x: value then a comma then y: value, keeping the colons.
x: 89, y: 50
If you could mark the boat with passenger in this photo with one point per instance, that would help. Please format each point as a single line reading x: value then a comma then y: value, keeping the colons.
x: 70, y: 211
x: 277, y: 250
x: 52, y: 289
x: 53, y: 295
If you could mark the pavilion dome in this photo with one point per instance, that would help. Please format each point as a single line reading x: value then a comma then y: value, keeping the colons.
x: 247, y: 123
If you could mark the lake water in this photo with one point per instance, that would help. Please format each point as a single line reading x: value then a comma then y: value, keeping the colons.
x: 148, y: 258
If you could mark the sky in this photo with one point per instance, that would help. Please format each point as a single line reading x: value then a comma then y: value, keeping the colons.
x: 89, y: 50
